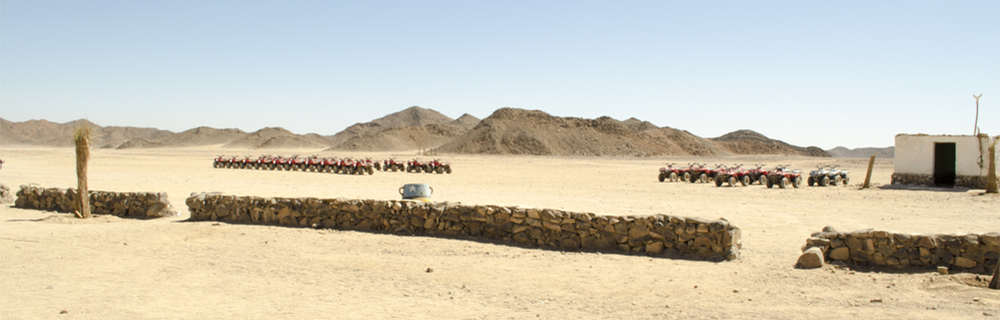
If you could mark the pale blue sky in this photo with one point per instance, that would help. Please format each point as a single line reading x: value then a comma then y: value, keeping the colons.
x: 825, y: 73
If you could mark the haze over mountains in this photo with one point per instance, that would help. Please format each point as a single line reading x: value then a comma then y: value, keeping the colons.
x: 506, y: 131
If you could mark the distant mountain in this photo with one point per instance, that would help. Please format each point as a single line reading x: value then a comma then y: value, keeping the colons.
x: 427, y: 136
x: 412, y: 116
x: 753, y: 143
x: 46, y: 133
x: 466, y: 122
x: 842, y: 152
x: 635, y: 125
x: 277, y: 137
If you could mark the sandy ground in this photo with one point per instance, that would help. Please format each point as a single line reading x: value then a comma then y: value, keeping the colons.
x: 112, y: 268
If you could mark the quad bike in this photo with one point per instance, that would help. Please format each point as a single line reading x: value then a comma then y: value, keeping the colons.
x: 437, y: 166
x: 783, y: 177
x: 220, y: 162
x: 704, y: 174
x: 733, y: 175
x: 672, y: 173
x: 392, y: 165
x: 824, y: 176
x: 364, y: 166
x: 415, y: 166
x: 758, y: 174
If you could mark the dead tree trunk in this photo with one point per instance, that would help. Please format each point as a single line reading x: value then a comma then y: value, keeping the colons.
x: 991, y: 175
x: 82, y: 140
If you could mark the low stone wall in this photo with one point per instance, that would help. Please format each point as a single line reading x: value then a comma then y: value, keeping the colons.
x: 656, y: 235
x: 122, y: 204
x: 5, y: 195
x: 913, y: 179
x: 899, y: 251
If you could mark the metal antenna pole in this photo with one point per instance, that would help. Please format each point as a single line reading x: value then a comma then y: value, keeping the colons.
x: 975, y: 130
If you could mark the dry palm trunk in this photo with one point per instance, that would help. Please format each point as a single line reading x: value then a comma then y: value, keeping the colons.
x: 991, y: 175
x: 995, y: 283
x: 82, y: 139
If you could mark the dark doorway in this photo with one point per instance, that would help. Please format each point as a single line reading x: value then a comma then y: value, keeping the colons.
x: 944, y: 164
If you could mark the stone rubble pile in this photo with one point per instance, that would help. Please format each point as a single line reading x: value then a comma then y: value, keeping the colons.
x: 975, y: 253
x: 123, y: 204
x: 656, y: 235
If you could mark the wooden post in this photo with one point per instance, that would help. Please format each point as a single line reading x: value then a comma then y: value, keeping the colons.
x: 868, y: 177
x: 82, y: 140
x: 995, y: 283
x: 991, y: 176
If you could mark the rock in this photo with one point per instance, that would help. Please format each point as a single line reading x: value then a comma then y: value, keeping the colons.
x: 829, y: 229
x: 812, y: 258
x: 842, y: 253
x: 942, y: 270
x: 655, y: 247
x: 965, y: 262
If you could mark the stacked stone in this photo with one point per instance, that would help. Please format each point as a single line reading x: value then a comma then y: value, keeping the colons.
x: 5, y: 195
x: 123, y: 204
x: 882, y: 249
x: 658, y: 235
x: 913, y: 179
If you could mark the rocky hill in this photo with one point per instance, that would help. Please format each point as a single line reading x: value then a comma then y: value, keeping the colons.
x: 412, y: 116
x: 276, y: 138
x: 753, y: 143
x: 517, y: 131
x: 46, y: 133
x: 403, y: 138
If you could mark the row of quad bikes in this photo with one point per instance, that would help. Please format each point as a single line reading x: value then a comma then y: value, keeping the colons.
x: 737, y: 175
x: 331, y: 164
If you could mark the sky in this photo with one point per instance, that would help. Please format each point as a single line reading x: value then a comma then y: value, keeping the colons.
x: 822, y: 73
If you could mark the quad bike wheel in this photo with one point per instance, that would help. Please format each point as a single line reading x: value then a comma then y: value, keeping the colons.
x: 837, y: 180
x: 673, y: 177
x: 378, y: 166
x: 770, y: 184
x: 846, y: 179
x: 824, y: 181
x: 447, y: 169
x: 371, y: 171
x: 703, y: 178
x: 440, y: 170
x: 687, y: 176
x: 745, y: 181
x: 812, y: 181
x: 732, y: 181
x: 663, y: 176
x: 797, y: 182
x: 718, y: 181
x: 783, y: 183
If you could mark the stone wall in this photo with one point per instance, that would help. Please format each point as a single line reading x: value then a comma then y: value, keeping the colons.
x: 122, y: 204
x: 655, y: 235
x: 914, y: 252
x: 913, y: 179
x: 5, y: 195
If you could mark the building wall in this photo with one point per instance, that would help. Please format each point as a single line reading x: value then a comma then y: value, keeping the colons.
x: 915, y: 153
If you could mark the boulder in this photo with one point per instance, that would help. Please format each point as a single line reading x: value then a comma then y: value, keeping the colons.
x: 812, y: 258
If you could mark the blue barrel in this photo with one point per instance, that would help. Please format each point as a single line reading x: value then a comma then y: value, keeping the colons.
x: 416, y: 191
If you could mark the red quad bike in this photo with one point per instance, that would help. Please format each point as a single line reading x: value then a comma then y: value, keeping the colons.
x: 277, y: 163
x: 415, y: 166
x: 327, y: 164
x: 364, y: 166
x: 312, y: 164
x: 261, y: 162
x: 220, y: 162
x: 437, y: 166
x: 704, y: 174
x: 672, y: 173
x: 345, y: 166
x: 392, y: 165
x: 782, y: 176
x: 758, y: 174
x: 694, y: 173
x: 733, y: 175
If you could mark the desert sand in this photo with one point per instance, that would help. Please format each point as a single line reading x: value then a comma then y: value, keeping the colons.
x: 113, y: 268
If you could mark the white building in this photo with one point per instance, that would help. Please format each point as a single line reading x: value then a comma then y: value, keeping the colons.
x: 942, y: 160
